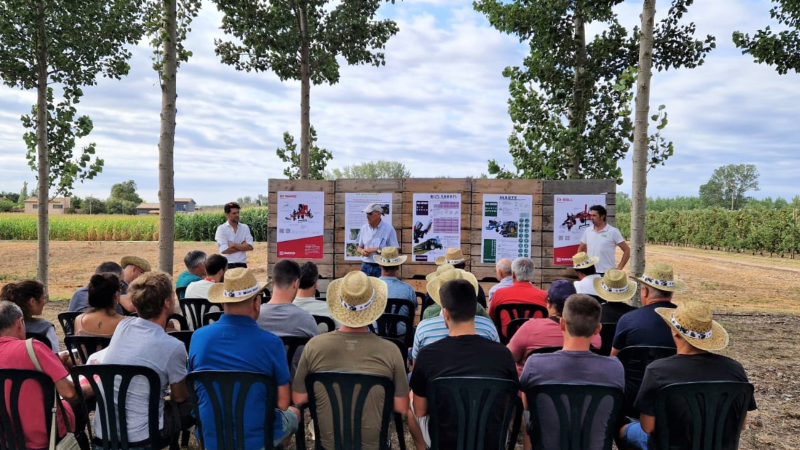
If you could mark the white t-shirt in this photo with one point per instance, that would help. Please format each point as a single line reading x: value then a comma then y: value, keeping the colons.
x: 225, y: 234
x: 586, y: 285
x: 198, y: 289
x: 602, y: 244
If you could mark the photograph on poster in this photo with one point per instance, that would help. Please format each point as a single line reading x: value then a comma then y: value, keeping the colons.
x: 301, y: 224
x: 436, y: 223
x: 506, y: 227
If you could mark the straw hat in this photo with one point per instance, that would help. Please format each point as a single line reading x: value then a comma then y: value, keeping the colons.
x: 141, y: 263
x: 582, y: 261
x: 240, y: 284
x: 439, y: 270
x: 390, y: 256
x: 449, y: 275
x: 694, y: 321
x: 614, y: 286
x: 356, y: 300
x: 660, y: 276
x: 451, y: 256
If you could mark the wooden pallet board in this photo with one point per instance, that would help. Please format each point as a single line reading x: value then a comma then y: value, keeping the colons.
x: 379, y: 185
x: 325, y: 269
x: 275, y: 185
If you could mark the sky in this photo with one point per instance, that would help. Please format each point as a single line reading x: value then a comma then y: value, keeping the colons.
x: 439, y: 106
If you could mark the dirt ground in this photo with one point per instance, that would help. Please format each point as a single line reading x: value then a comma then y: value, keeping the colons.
x: 757, y: 299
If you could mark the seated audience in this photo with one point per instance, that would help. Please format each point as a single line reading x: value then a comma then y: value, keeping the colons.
x: 280, y: 316
x: 455, y: 258
x: 462, y: 353
x: 306, y: 294
x: 503, y: 271
x: 355, y: 301
x: 80, y: 299
x: 143, y: 341
x: 29, y: 296
x: 132, y: 268
x: 616, y: 289
x: 434, y: 309
x: 585, y: 269
x: 390, y: 261
x: 216, y: 265
x: 195, y: 262
x: 102, y: 318
x: 696, y: 336
x: 521, y: 291
x: 580, y: 327
x: 235, y: 342
x: 546, y: 332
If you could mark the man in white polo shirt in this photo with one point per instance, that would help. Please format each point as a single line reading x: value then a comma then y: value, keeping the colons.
x: 234, y: 238
x: 373, y: 236
x: 602, y: 240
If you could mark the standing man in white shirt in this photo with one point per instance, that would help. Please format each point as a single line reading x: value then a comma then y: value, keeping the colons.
x: 374, y: 235
x: 234, y: 238
x: 602, y: 241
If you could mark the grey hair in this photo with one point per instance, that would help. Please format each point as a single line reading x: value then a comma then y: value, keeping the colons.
x: 504, y: 266
x: 522, y: 268
x: 194, y: 258
x: 10, y: 313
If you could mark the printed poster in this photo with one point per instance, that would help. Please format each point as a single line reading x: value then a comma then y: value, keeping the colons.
x: 436, y: 220
x: 354, y: 218
x: 506, y: 227
x: 571, y: 220
x: 301, y: 224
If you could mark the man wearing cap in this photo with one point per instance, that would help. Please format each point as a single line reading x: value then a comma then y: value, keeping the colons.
x: 235, y: 342
x: 132, y: 268
x: 696, y: 337
x: 233, y: 238
x: 546, y: 332
x: 195, y: 262
x: 355, y: 301
x: 390, y: 261
x: 373, y: 237
x: 585, y: 269
x: 521, y: 291
x: 602, y: 240
x: 503, y: 271
x: 616, y: 289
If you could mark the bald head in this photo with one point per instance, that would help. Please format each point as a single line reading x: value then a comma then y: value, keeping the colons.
x: 503, y: 268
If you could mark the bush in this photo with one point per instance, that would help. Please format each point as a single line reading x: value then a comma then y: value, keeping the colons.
x: 7, y: 205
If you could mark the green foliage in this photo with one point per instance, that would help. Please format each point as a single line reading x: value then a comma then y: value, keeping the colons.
x: 7, y: 205
x: 155, y: 17
x: 125, y: 191
x: 63, y: 128
x: 13, y: 196
x: 729, y: 184
x: 23, y: 194
x: 371, y: 170
x: 91, y: 205
x: 119, y: 206
x: 317, y: 158
x: 781, y: 49
x: 570, y: 100
x: 248, y: 201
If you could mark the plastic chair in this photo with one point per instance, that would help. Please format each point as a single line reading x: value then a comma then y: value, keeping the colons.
x: 181, y: 292
x: 184, y: 336
x: 111, y: 406
x: 387, y: 326
x: 11, y: 380
x: 292, y: 344
x: 712, y: 423
x: 84, y: 346
x: 394, y: 305
x: 266, y: 296
x: 607, y: 336
x: 635, y: 360
x: 514, y: 326
x: 473, y: 399
x: 400, y: 346
x: 327, y: 321
x: 182, y: 323
x: 211, y: 317
x: 67, y: 321
x: 516, y: 311
x: 347, y: 410
x: 542, y: 350
x: 425, y: 302
x: 39, y: 337
x: 575, y: 406
x: 227, y: 392
x: 195, y: 308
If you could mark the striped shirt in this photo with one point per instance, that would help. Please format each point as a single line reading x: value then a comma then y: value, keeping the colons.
x: 434, y: 329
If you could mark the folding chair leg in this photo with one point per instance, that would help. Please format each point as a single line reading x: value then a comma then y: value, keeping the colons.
x: 401, y: 435
x: 300, y: 434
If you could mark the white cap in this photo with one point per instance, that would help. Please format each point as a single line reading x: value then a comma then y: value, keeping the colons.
x: 373, y: 207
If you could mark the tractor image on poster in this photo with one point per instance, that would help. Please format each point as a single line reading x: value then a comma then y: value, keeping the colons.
x: 506, y: 229
x: 420, y: 231
x: 431, y: 244
x: 300, y: 213
x: 582, y: 216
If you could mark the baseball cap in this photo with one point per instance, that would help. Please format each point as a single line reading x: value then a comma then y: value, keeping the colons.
x: 373, y: 207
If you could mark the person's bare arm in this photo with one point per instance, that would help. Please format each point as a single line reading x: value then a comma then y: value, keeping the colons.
x: 245, y: 247
x: 125, y: 301
x: 179, y: 392
x: 648, y: 423
x: 401, y: 404
x: 614, y: 352
x: 284, y: 397
x: 582, y: 247
x: 626, y: 254
x: 232, y: 248
x: 420, y: 406
x: 66, y: 389
x: 298, y: 398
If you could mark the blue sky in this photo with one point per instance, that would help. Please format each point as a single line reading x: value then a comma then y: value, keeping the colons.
x: 439, y: 106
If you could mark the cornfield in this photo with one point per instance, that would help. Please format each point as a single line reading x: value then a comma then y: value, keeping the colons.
x: 188, y: 227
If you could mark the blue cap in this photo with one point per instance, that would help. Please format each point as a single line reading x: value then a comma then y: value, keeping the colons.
x: 560, y: 290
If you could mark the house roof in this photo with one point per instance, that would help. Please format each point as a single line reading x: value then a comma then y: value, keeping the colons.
x: 184, y: 200
x: 149, y: 206
x: 55, y: 200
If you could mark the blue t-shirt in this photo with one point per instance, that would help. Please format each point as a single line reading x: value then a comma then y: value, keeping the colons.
x: 644, y: 327
x: 237, y: 343
x: 185, y: 278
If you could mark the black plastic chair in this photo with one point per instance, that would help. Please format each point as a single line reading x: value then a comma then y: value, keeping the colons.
x: 425, y: 302
x: 67, y: 321
x: 635, y: 360
x: 182, y: 323
x: 542, y: 350
x: 184, y: 336
x: 607, y: 336
x: 386, y: 326
x: 84, y: 346
x: 710, y: 405
x: 111, y: 406
x: 228, y: 408
x: 347, y: 420
x: 181, y: 292
x: 516, y: 311
x: 195, y: 308
x: 473, y: 400
x: 400, y: 346
x: 39, y: 337
x: 211, y: 317
x: 327, y: 321
x: 575, y: 407
x: 394, y: 305
x: 266, y: 296
x: 292, y: 344
x: 11, y: 381
x: 514, y: 326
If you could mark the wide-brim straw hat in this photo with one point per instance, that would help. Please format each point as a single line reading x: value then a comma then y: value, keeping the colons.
x: 660, y: 276
x: 240, y: 284
x: 389, y: 256
x: 449, y: 275
x: 695, y: 322
x: 357, y: 300
x: 582, y: 261
x: 451, y: 256
x: 439, y: 270
x: 614, y: 286
x: 141, y: 263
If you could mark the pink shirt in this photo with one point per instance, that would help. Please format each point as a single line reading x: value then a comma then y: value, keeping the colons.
x: 13, y: 355
x: 538, y: 333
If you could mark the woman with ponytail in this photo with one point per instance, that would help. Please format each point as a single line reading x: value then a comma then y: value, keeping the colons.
x: 29, y: 296
x: 102, y: 318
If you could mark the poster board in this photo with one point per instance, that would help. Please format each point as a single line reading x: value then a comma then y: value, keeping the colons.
x: 301, y: 224
x: 436, y: 225
x: 570, y: 221
x: 354, y: 218
x: 505, y: 227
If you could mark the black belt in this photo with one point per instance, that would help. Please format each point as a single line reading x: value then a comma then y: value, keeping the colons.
x: 235, y: 265
x: 369, y: 264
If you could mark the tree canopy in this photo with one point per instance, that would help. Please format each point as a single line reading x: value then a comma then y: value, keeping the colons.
x: 780, y: 49
x: 371, y: 170
x: 729, y: 184
x: 318, y: 158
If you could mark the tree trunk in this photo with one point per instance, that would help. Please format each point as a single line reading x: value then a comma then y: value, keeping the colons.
x: 577, y: 115
x: 305, y: 94
x: 166, y: 143
x: 43, y: 255
x: 640, y: 147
